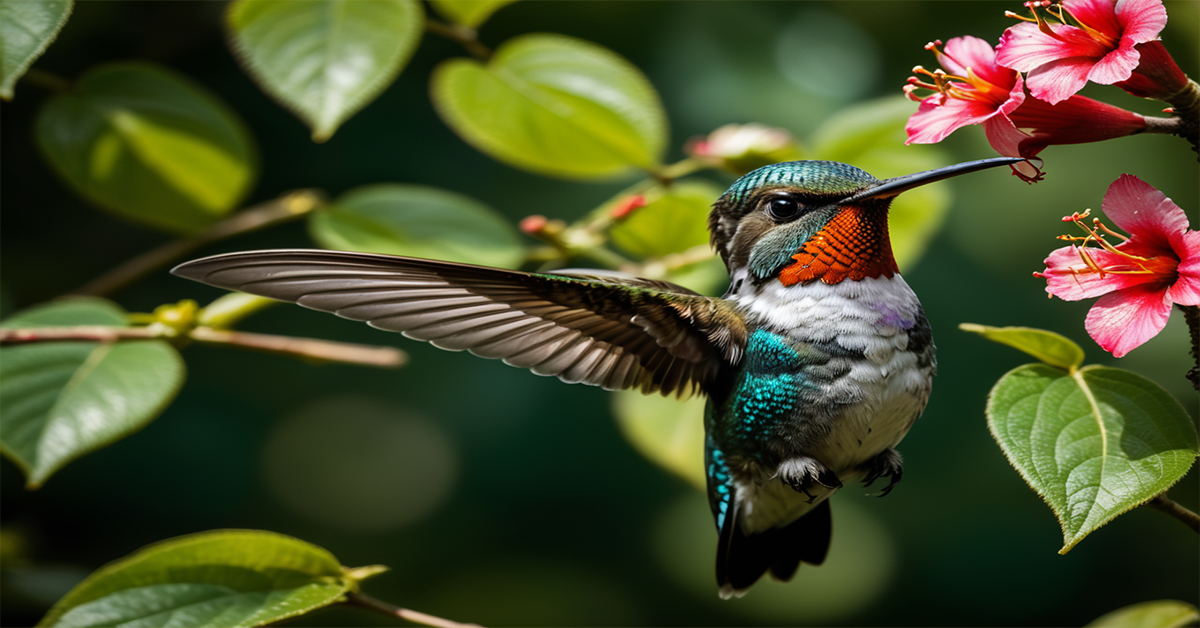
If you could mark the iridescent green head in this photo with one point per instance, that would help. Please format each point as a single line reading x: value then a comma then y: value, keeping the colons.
x: 767, y: 216
x: 804, y: 192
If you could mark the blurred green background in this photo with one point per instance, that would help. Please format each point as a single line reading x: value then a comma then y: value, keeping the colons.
x: 503, y: 498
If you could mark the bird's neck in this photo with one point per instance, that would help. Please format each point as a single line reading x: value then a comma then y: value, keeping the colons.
x: 853, y: 245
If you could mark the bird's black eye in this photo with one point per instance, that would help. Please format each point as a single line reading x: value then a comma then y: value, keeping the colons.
x: 783, y: 207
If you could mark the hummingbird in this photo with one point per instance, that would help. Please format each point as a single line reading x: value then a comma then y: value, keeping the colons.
x: 816, y: 361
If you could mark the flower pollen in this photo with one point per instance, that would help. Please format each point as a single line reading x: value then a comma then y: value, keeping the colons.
x: 969, y: 87
x: 1121, y: 262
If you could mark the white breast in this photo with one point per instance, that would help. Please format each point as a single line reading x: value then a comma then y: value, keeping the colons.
x: 890, y: 388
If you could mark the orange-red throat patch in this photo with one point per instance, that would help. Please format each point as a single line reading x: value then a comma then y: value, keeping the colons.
x: 853, y: 245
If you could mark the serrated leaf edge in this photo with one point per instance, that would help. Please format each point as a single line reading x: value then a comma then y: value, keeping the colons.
x: 1068, y: 541
x: 19, y: 71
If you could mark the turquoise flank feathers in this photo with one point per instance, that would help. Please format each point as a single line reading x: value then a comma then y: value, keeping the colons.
x: 767, y: 390
x: 720, y: 482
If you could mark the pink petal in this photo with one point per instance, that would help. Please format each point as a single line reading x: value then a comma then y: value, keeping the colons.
x: 1098, y: 14
x: 1141, y: 20
x: 1069, y: 278
x: 1186, y: 290
x: 934, y: 119
x: 1058, y: 80
x: 1023, y: 47
x: 1004, y: 137
x: 1115, y: 66
x: 1122, y: 321
x: 1147, y: 215
x: 965, y: 52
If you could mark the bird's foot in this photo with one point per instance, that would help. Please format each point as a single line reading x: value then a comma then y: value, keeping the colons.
x: 804, y: 473
x: 886, y: 463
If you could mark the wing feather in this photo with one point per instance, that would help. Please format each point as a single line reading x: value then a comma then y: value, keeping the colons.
x: 581, y: 326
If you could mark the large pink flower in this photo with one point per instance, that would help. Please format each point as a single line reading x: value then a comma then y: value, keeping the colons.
x: 1138, y: 279
x: 1096, y: 40
x: 972, y: 89
x: 969, y: 89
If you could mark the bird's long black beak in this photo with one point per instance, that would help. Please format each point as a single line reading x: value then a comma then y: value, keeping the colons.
x: 892, y: 187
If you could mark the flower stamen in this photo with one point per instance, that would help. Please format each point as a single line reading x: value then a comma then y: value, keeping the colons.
x: 1133, y: 264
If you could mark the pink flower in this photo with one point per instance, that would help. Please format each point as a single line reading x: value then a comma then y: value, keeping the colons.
x: 973, y: 89
x: 626, y: 206
x: 1138, y: 279
x: 970, y: 89
x: 1157, y: 76
x: 1095, y: 40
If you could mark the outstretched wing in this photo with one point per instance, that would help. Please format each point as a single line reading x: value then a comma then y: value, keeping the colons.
x: 601, y: 330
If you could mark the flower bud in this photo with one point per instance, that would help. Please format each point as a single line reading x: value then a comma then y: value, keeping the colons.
x: 742, y: 148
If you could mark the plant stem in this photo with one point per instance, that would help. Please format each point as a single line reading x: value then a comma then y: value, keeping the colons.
x: 287, y: 207
x: 1186, y: 103
x: 47, y: 80
x: 464, y: 36
x: 1163, y: 126
x: 1191, y: 314
x: 303, y: 348
x: 1166, y: 504
x: 363, y: 600
x: 92, y: 333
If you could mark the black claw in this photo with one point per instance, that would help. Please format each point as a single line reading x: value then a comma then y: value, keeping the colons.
x: 829, y: 479
x: 887, y: 463
x: 895, y: 480
x: 806, y: 473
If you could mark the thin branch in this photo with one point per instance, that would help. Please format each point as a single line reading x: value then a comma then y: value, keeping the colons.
x: 464, y: 36
x: 363, y: 600
x: 47, y: 80
x: 1166, y: 504
x: 287, y: 207
x: 305, y: 348
x: 92, y: 333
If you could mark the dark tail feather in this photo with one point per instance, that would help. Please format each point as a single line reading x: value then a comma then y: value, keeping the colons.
x: 742, y: 560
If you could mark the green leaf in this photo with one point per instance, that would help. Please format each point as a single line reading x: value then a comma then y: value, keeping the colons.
x: 469, y: 13
x: 668, y: 431
x: 417, y: 221
x: 871, y: 136
x: 61, y: 400
x: 26, y: 29
x: 324, y: 59
x: 1156, y: 614
x: 554, y: 105
x: 1047, y: 346
x: 218, y: 578
x: 149, y: 145
x: 672, y: 221
x: 1093, y: 443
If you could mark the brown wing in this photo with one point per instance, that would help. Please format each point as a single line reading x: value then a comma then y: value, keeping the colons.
x: 601, y: 330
